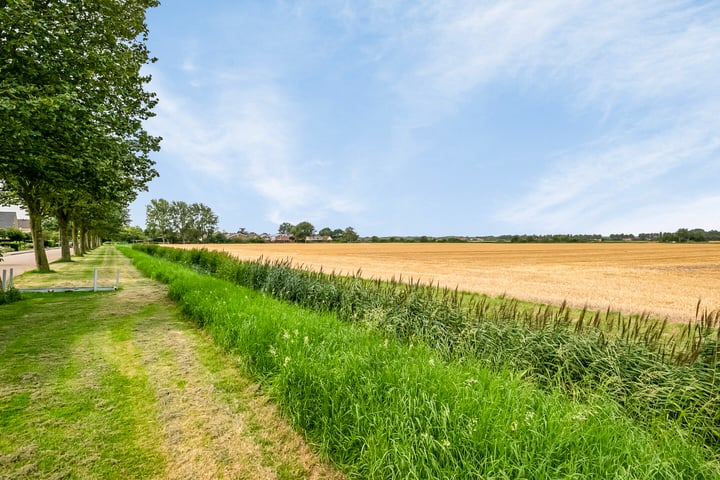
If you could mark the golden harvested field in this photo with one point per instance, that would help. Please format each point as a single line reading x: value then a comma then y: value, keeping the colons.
x: 665, y: 280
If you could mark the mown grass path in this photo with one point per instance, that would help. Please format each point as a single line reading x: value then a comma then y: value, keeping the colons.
x: 120, y: 385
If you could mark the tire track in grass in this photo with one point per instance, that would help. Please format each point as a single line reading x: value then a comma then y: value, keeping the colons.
x: 205, y: 419
x: 216, y: 423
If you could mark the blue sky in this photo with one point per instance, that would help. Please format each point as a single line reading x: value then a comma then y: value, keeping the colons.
x: 442, y: 117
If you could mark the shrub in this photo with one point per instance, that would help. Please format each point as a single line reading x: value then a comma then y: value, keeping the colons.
x: 10, y: 295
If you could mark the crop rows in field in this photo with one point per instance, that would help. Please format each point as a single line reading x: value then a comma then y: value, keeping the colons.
x: 664, y: 280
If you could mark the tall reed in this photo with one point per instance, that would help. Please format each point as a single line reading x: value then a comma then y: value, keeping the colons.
x: 652, y: 374
x: 384, y: 409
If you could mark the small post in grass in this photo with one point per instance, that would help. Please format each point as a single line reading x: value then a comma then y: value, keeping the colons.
x: 117, y: 279
x: 95, y: 279
x: 6, y: 283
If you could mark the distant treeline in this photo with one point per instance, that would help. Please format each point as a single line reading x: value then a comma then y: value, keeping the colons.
x: 682, y: 235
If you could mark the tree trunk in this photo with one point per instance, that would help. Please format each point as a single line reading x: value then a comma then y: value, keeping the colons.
x: 84, y: 241
x: 75, y: 242
x: 81, y: 240
x: 64, y: 233
x: 41, y: 261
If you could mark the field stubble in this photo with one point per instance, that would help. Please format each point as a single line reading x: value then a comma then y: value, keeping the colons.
x: 664, y: 280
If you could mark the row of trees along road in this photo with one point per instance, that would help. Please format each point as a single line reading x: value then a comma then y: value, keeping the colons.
x: 179, y: 222
x: 72, y: 104
x: 306, y: 229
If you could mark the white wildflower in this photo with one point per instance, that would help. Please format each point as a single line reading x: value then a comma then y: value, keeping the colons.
x: 583, y: 414
x: 431, y: 361
x: 472, y: 424
x: 306, y: 340
x: 445, y: 443
x: 579, y: 417
x: 286, y: 335
x: 514, y: 425
x: 272, y: 351
x: 287, y: 360
x: 528, y: 417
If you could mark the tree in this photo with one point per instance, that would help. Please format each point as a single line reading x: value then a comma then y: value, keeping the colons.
x: 158, y: 219
x: 349, y: 235
x: 206, y: 221
x: 217, y: 237
x: 178, y: 221
x: 129, y: 234
x: 285, y: 228
x: 326, y: 232
x: 182, y: 221
x: 72, y: 103
x: 302, y: 230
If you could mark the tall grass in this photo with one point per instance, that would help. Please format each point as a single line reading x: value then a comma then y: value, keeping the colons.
x: 384, y: 408
x: 631, y: 359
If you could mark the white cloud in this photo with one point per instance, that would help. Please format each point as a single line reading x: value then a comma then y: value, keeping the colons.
x: 702, y: 211
x: 242, y: 137
x: 189, y: 65
x: 645, y: 73
x: 652, y: 68
x: 612, y: 174
x: 610, y: 51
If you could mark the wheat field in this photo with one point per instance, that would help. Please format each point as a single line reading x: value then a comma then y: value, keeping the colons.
x: 665, y: 280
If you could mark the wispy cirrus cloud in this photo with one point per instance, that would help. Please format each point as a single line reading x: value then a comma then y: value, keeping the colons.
x: 649, y: 72
x: 383, y: 113
x: 616, y: 174
x: 604, y: 52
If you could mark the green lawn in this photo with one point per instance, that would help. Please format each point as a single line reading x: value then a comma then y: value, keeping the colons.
x: 69, y: 407
x: 122, y: 385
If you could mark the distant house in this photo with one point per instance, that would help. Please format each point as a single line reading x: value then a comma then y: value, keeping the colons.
x: 281, y: 238
x: 8, y: 220
x: 24, y: 225
x: 317, y: 239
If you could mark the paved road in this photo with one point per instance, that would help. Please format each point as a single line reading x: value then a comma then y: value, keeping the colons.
x: 24, y: 261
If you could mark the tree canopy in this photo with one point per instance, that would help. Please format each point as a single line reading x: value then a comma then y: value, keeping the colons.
x: 285, y: 228
x: 305, y: 229
x: 72, y: 106
x: 178, y: 221
x: 302, y: 230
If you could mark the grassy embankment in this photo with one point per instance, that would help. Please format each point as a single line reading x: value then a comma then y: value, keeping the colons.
x: 654, y: 376
x: 121, y: 385
x: 383, y: 404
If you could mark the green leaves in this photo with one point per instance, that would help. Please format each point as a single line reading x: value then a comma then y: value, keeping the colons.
x: 73, y: 103
x: 178, y: 221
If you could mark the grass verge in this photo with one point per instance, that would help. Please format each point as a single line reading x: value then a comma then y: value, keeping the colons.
x: 121, y: 385
x: 382, y: 408
x: 67, y: 406
x: 633, y: 368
